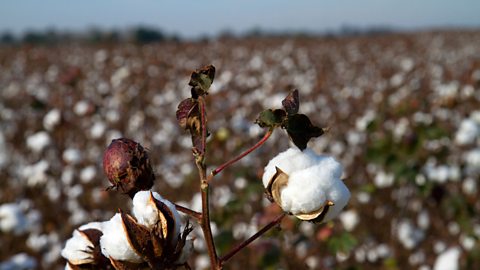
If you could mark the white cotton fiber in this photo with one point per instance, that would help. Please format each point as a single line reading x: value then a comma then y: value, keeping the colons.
x: 468, y: 132
x: 77, y: 249
x: 146, y: 212
x: 448, y: 260
x: 114, y: 242
x: 313, y: 180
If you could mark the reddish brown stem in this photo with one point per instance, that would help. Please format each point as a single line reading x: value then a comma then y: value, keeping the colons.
x: 237, y: 158
x: 245, y: 243
x: 204, y: 189
x: 189, y: 212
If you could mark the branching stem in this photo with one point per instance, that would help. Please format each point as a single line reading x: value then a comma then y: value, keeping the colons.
x: 245, y: 243
x: 188, y: 211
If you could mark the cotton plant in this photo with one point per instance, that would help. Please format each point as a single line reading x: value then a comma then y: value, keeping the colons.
x: 304, y: 184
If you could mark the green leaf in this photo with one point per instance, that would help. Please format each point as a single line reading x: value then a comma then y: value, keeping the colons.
x: 201, y: 80
x: 271, y: 118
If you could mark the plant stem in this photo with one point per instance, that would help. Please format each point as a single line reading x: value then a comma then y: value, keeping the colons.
x: 237, y: 158
x: 204, y: 189
x: 245, y: 243
x: 188, y: 211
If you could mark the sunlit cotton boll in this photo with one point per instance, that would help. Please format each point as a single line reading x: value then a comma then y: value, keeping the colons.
x: 12, y: 219
x: 147, y: 213
x: 467, y: 133
x: 313, y: 180
x: 448, y: 260
x: 114, y: 242
x: 20, y: 261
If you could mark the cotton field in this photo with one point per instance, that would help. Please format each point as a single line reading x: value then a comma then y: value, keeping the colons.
x: 403, y: 118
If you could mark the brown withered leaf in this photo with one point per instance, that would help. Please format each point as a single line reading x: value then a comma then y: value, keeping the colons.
x: 292, y: 102
x: 138, y: 237
x: 301, y: 130
x: 201, y: 80
x: 186, y: 109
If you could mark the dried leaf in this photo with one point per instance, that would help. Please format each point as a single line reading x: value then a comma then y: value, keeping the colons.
x: 186, y: 109
x: 201, y: 80
x: 301, y: 130
x: 292, y: 102
x: 138, y: 237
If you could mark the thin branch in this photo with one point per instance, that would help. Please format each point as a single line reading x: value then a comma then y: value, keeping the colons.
x: 237, y: 158
x: 245, y: 243
x: 188, y: 211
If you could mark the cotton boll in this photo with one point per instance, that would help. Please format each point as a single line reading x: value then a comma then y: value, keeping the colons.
x: 114, y: 242
x: 77, y: 249
x: 467, y: 133
x: 12, y: 219
x: 51, y: 119
x: 19, y: 261
x: 38, y: 141
x: 313, y: 182
x: 448, y: 260
x: 287, y: 161
x: 146, y: 212
x: 349, y: 219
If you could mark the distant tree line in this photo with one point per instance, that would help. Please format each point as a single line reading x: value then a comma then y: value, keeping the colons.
x: 144, y: 34
x: 141, y: 34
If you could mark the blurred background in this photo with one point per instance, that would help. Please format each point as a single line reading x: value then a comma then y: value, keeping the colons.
x: 397, y: 83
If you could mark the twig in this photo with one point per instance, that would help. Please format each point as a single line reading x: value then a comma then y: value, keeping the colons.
x: 188, y: 211
x: 236, y: 249
x: 237, y: 158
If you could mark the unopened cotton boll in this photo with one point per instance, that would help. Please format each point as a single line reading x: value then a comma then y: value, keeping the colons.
x: 114, y: 242
x: 313, y: 183
x: 147, y: 214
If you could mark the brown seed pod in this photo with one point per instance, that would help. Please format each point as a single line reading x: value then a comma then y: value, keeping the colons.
x: 127, y: 166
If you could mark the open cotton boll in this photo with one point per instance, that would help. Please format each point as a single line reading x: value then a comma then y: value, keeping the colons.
x: 291, y: 160
x: 313, y: 182
x: 467, y: 133
x: 77, y: 249
x: 146, y: 212
x: 114, y: 242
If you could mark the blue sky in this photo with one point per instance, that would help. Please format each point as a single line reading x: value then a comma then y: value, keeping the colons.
x: 194, y: 18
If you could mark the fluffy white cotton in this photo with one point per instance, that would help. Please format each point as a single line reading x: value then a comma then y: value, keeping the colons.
x: 12, y: 219
x: 448, y: 260
x: 77, y: 249
x: 114, y: 242
x: 349, y: 219
x: 51, y: 119
x: 146, y: 212
x: 38, y: 141
x: 409, y: 235
x: 20, y: 261
x: 313, y: 179
x: 468, y: 132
